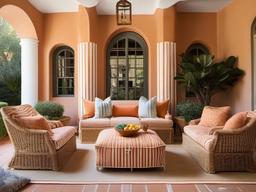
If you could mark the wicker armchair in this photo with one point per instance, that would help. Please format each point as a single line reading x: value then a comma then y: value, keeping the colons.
x: 36, y: 149
x: 230, y: 150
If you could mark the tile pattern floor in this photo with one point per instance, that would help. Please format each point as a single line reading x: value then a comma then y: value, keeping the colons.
x: 141, y: 188
x: 6, y: 151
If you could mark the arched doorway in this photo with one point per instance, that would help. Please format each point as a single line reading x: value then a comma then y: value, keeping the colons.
x: 127, y: 67
x: 253, y: 40
x: 26, y: 31
x: 10, y: 64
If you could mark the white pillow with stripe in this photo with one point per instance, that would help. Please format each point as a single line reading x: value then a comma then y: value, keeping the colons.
x: 147, y: 108
x: 103, y: 109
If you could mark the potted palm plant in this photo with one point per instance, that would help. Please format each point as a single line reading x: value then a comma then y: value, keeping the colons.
x: 203, y: 77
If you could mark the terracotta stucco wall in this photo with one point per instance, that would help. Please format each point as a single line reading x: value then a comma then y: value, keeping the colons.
x: 234, y: 38
x: 60, y: 29
x: 196, y: 27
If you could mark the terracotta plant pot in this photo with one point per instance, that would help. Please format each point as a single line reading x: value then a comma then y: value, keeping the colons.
x: 180, y: 122
x: 65, y: 120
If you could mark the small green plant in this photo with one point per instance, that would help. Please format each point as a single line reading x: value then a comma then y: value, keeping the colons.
x: 189, y: 110
x: 3, y: 131
x: 51, y: 110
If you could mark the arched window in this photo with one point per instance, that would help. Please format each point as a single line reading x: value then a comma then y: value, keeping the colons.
x: 63, y: 71
x: 196, y: 49
x: 127, y: 67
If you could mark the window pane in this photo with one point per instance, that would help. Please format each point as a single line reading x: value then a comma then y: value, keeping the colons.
x: 113, y: 83
x: 131, y: 72
x: 114, y: 73
x: 64, y: 71
x: 113, y: 62
x: 121, y: 93
x: 139, y: 73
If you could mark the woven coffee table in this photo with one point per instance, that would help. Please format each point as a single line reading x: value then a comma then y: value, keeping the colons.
x: 146, y: 150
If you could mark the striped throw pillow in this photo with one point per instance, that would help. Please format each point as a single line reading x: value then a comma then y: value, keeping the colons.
x: 147, y: 108
x: 103, y: 108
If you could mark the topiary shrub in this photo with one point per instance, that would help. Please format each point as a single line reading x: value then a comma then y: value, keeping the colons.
x: 51, y: 110
x: 3, y: 131
x: 189, y: 110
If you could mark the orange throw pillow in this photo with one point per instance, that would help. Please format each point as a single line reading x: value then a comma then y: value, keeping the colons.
x: 236, y: 121
x: 162, y: 108
x: 34, y: 122
x: 89, y: 109
x: 125, y: 110
x: 214, y: 116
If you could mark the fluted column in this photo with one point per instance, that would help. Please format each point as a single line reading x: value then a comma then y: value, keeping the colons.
x: 29, y: 71
x: 166, y: 71
x: 87, y: 73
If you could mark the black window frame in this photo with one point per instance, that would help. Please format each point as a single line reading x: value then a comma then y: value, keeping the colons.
x: 55, y: 55
x: 139, y: 39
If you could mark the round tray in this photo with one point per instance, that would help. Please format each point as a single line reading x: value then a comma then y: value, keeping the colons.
x: 130, y: 133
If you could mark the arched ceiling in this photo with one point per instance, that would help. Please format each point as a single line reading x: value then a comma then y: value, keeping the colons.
x: 139, y: 7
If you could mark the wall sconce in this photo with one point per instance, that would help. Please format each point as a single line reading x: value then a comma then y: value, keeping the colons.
x: 124, y: 12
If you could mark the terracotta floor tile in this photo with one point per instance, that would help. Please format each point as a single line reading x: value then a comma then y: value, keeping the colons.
x: 103, y: 188
x: 184, y: 188
x: 202, y: 188
x: 157, y: 188
x: 90, y: 188
x: 247, y: 188
x: 115, y: 188
x: 222, y: 188
x: 72, y: 188
x: 47, y: 188
x: 138, y: 188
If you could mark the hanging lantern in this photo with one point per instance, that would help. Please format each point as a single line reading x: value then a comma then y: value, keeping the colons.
x: 124, y: 12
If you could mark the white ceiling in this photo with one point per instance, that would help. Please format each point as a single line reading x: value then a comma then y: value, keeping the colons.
x: 139, y: 7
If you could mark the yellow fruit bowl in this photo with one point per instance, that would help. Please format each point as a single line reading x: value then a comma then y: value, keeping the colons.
x: 129, y: 130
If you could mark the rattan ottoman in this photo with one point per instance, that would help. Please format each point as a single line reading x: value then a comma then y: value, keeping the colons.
x: 146, y: 150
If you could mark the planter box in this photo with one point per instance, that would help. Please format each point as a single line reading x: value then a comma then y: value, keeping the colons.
x: 180, y: 122
x: 65, y: 120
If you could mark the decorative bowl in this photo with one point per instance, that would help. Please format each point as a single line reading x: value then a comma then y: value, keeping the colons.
x: 130, y: 133
x: 126, y: 132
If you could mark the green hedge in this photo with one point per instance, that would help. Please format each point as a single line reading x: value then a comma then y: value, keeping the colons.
x: 50, y: 110
x: 3, y: 131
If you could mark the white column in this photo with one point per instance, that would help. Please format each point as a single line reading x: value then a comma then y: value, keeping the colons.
x: 166, y: 71
x: 87, y: 75
x: 29, y: 71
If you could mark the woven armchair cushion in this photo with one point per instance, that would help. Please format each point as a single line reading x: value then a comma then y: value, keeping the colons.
x: 236, y: 121
x: 89, y: 108
x: 62, y: 135
x: 34, y: 122
x: 214, y: 116
x: 125, y: 110
x: 162, y: 108
x: 201, y: 135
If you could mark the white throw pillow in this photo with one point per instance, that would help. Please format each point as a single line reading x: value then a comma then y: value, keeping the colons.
x: 103, y: 109
x: 147, y: 108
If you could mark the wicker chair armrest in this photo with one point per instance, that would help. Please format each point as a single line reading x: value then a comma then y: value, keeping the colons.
x: 55, y: 123
x: 237, y: 140
x: 194, y: 121
x: 214, y: 129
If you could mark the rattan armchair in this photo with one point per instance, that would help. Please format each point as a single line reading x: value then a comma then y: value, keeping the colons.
x: 35, y: 149
x: 232, y: 150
